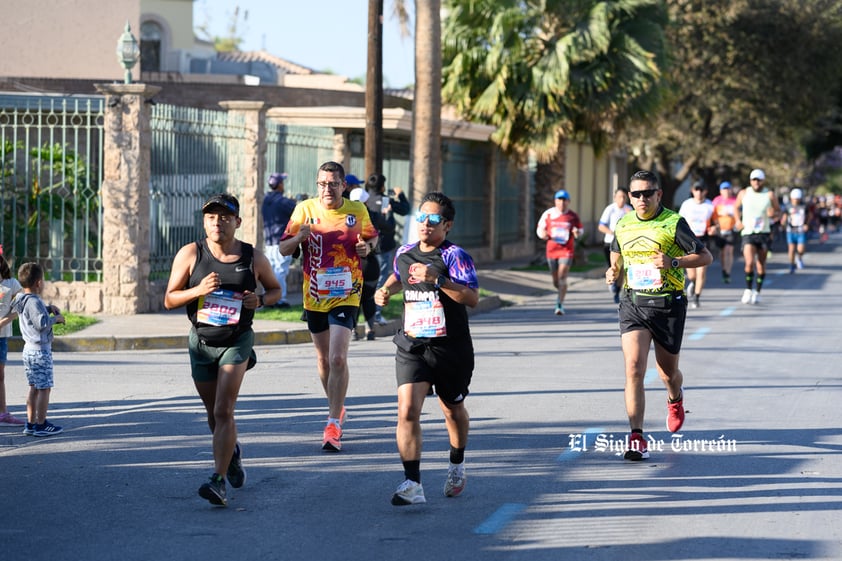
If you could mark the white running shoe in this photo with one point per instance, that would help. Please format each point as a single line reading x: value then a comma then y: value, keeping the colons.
x: 755, y: 297
x: 689, y: 288
x: 746, y: 296
x: 456, y: 479
x: 409, y: 493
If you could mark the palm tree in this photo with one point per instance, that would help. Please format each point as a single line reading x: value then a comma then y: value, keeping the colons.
x: 426, y: 114
x: 543, y: 71
x: 425, y: 161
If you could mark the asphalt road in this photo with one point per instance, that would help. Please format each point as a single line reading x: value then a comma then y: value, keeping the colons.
x: 756, y: 474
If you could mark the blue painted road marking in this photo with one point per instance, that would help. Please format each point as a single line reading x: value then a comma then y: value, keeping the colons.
x: 727, y: 311
x: 699, y: 334
x: 501, y: 517
x: 579, y: 443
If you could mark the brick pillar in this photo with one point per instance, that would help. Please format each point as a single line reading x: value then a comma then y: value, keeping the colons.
x: 245, y: 176
x: 125, y: 198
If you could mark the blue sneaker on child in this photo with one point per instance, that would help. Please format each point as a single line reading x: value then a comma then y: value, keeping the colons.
x: 46, y: 429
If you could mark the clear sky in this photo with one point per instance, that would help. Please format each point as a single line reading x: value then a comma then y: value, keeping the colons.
x: 325, y: 35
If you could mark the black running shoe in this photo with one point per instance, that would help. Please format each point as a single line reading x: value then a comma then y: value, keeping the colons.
x: 236, y: 474
x: 214, y: 490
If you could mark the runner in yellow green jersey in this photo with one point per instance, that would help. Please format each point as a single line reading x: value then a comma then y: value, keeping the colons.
x: 652, y: 246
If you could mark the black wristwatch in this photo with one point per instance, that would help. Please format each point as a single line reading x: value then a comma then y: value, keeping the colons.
x: 440, y: 281
x: 260, y: 303
x: 675, y: 263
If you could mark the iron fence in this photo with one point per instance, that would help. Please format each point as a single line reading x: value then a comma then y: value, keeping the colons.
x: 51, y: 169
x: 51, y: 154
x: 298, y: 151
x: 194, y: 154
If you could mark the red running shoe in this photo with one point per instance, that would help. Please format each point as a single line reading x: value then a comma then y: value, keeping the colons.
x: 637, y: 450
x: 675, y: 414
x: 331, y: 441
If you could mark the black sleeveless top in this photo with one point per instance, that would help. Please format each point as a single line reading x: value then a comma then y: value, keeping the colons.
x: 236, y: 277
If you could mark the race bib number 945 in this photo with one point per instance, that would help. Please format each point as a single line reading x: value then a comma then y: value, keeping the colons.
x: 334, y: 281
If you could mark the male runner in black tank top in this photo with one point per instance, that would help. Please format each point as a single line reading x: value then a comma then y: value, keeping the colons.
x: 215, y: 279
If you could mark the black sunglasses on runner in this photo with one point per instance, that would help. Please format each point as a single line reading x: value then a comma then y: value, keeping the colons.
x: 647, y: 193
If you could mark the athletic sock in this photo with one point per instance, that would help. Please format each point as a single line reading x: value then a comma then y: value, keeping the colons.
x: 457, y: 455
x: 412, y: 470
x: 749, y: 280
x: 760, y: 281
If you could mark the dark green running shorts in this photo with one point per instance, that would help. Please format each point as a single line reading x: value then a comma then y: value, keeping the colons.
x: 205, y: 360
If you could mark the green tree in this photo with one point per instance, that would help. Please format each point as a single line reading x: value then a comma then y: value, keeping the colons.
x: 749, y: 79
x: 544, y: 71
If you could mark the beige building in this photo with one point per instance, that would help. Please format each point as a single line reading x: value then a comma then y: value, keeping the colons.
x: 68, y: 39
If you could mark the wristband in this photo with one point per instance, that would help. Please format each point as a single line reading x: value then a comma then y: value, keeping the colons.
x: 260, y: 303
x: 440, y: 281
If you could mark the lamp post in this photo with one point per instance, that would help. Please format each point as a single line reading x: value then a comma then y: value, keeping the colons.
x: 128, y: 52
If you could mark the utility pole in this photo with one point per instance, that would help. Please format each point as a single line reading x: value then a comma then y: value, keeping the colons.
x: 374, y: 90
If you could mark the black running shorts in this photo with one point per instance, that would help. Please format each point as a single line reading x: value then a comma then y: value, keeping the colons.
x: 447, y: 366
x: 761, y: 241
x: 665, y: 324
x: 725, y: 238
x: 346, y: 316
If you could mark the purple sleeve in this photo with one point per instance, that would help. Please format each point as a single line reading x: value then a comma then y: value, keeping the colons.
x: 460, y: 266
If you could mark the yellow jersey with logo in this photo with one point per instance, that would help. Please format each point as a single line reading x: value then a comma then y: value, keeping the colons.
x: 639, y: 240
x: 329, y: 261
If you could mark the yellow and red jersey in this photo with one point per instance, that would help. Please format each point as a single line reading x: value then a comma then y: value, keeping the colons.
x: 332, y: 269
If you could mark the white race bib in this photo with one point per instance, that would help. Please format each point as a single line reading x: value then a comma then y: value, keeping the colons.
x: 221, y: 307
x: 424, y: 319
x: 334, y: 282
x: 560, y: 235
x: 644, y: 276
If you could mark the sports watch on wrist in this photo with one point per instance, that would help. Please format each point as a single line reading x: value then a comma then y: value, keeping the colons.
x: 260, y: 303
x: 675, y: 263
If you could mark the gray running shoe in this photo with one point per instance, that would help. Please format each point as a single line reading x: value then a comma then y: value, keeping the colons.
x: 456, y: 479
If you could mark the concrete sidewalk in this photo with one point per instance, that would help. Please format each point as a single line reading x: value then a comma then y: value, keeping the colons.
x: 169, y: 329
